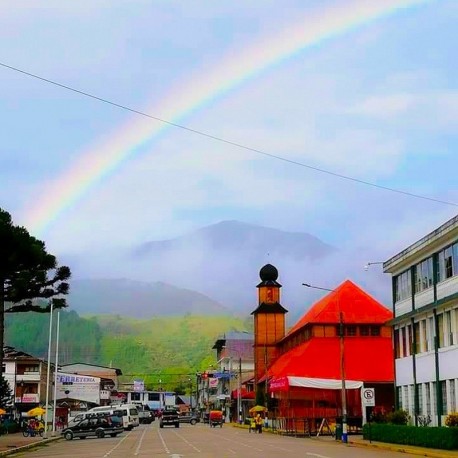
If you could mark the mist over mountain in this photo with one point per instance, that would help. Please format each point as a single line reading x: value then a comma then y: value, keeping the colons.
x: 139, y: 299
x: 222, y: 263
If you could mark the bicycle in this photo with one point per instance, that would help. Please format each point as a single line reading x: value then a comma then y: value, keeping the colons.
x: 31, y: 432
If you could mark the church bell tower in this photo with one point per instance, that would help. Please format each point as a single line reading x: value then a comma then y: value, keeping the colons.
x: 269, y: 321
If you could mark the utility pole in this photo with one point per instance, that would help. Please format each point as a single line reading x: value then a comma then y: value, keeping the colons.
x: 239, y: 391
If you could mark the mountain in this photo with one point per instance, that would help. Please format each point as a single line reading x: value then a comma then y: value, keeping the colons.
x: 223, y: 261
x: 251, y: 240
x: 138, y: 299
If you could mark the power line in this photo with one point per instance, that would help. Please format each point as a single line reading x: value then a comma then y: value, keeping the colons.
x: 228, y: 142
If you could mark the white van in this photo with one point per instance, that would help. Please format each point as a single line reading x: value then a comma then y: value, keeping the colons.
x: 128, y: 413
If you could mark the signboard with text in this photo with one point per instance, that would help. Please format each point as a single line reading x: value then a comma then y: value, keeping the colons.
x: 368, y: 397
x: 81, y: 387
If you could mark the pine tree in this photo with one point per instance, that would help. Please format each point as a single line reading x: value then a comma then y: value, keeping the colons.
x: 30, y: 279
x: 6, y: 394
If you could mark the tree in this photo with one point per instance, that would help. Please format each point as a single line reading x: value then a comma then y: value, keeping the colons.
x: 30, y: 279
x: 6, y: 395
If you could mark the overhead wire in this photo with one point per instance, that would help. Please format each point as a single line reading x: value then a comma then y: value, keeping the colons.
x: 226, y: 141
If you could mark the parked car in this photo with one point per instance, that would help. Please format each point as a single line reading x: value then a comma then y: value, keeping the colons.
x: 145, y: 416
x: 97, y: 426
x: 189, y: 418
x: 169, y: 417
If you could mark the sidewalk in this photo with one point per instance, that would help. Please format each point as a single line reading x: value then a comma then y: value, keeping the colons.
x: 358, y: 441
x: 13, y: 443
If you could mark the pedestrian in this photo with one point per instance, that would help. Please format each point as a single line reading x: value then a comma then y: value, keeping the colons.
x: 259, y: 423
x: 252, y: 425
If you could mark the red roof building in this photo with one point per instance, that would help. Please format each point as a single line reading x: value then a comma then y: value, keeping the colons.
x: 305, y: 378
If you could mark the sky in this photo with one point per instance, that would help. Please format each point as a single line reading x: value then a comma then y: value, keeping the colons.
x: 351, y: 87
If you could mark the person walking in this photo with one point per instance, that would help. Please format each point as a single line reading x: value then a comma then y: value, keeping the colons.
x: 259, y: 423
x: 252, y: 425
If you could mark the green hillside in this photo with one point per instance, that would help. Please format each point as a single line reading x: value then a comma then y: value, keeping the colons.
x: 169, y: 349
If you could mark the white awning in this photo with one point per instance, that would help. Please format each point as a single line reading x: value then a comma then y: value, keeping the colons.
x: 323, y: 383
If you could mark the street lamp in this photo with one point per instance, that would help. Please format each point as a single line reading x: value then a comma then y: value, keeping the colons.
x: 366, y: 267
x: 342, y: 364
x: 239, y: 381
x: 190, y: 393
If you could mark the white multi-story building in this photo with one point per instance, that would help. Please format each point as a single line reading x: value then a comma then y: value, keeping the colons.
x: 425, y: 298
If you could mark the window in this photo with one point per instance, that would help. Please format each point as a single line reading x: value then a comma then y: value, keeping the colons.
x: 432, y: 333
x: 428, y: 399
x: 446, y: 263
x: 444, y: 397
x: 397, y: 349
x: 364, y: 330
x: 448, y: 325
x: 424, y: 339
x: 403, y: 286
x: 409, y: 340
x: 404, y: 341
x: 135, y: 396
x: 350, y: 331
x: 433, y: 384
x: 420, y: 398
x: 416, y: 328
x: 455, y: 258
x: 452, y: 396
x: 440, y: 324
x: 31, y: 368
x: 399, y: 396
x: 423, y: 273
x: 153, y: 396
x: 405, y: 404
x: 375, y: 330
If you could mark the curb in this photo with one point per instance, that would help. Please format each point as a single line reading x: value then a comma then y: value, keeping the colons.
x: 29, y: 446
x: 399, y: 448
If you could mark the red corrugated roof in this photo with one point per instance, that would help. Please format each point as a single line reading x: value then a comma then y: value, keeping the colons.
x: 368, y: 359
x: 356, y: 305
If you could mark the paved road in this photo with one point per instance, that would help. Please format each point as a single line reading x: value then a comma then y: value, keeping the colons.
x: 201, y: 441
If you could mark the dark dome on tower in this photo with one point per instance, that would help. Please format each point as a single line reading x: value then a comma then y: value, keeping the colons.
x: 268, y: 273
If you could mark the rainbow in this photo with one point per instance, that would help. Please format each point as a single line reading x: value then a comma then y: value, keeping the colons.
x: 101, y: 159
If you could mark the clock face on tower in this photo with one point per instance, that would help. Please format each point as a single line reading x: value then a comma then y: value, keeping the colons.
x: 270, y: 295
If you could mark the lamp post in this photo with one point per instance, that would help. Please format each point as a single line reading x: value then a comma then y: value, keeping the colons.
x: 48, y: 372
x: 190, y: 393
x: 368, y: 264
x: 55, y: 376
x: 342, y: 364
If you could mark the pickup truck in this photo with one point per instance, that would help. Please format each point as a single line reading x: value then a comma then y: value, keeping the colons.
x: 169, y: 417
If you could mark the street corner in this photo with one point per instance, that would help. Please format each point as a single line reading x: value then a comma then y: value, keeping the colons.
x: 12, y: 444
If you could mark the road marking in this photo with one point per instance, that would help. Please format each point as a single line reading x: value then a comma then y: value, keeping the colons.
x: 163, y: 442
x: 317, y: 455
x: 137, y: 450
x: 118, y: 444
x: 230, y: 450
x: 280, y: 448
x: 241, y: 443
x: 189, y: 443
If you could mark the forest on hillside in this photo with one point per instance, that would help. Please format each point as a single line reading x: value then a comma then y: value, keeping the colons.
x: 165, y: 352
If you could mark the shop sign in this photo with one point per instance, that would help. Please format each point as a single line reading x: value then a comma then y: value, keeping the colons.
x: 30, y: 397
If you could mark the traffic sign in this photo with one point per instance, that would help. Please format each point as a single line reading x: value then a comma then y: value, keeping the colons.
x: 368, y: 397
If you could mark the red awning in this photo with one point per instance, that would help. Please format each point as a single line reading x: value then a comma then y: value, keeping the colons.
x: 369, y: 359
x: 244, y: 394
